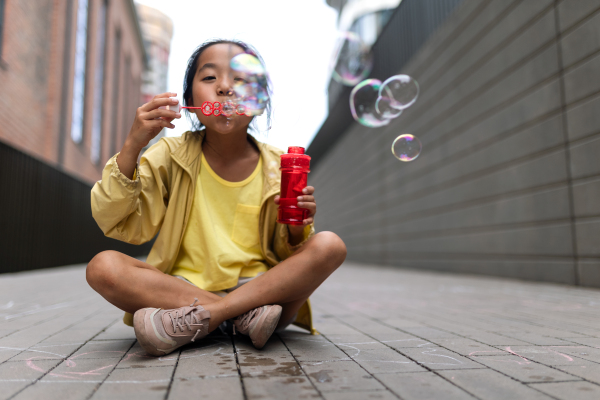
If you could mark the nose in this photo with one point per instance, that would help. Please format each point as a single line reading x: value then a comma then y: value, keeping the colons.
x: 225, y: 88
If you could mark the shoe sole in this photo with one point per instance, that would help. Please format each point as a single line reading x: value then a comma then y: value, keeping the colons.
x: 139, y: 327
x: 270, y: 319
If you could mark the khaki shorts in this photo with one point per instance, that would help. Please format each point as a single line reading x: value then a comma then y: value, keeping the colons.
x: 224, y: 292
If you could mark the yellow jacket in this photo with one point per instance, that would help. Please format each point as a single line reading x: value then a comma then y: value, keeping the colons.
x: 159, y: 200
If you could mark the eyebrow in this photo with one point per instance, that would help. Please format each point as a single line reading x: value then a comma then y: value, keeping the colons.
x: 207, y: 65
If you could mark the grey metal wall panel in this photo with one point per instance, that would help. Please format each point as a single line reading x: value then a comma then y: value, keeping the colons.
x: 508, y: 180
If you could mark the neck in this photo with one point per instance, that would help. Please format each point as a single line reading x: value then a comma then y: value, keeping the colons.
x: 230, y: 146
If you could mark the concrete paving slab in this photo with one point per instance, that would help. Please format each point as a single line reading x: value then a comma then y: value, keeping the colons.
x: 128, y: 384
x: 58, y: 391
x: 340, y: 376
x: 355, y: 341
x: 93, y: 370
x: 552, y: 355
x: 137, y: 357
x: 104, y: 349
x: 481, y: 331
x: 491, y: 385
x: 423, y: 385
x: 213, y: 388
x: 569, y: 390
x: 292, y: 388
x: 439, y: 358
x: 466, y: 347
x: 381, y: 361
x: 587, y: 370
x: 269, y: 364
x: 523, y: 369
x: 360, y: 395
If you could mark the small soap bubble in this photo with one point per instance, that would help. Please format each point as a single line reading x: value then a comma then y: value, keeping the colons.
x: 385, y: 109
x: 363, y: 99
x: 402, y: 90
x: 406, y: 147
x: 228, y: 108
x: 352, y: 61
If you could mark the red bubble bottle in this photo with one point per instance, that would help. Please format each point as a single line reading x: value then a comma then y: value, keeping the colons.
x: 295, y: 166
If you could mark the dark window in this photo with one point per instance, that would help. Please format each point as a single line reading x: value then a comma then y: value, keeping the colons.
x: 2, y: 4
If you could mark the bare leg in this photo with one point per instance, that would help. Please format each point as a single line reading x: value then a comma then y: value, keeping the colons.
x: 131, y: 284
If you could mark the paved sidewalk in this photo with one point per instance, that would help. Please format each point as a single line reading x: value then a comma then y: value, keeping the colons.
x: 386, y: 334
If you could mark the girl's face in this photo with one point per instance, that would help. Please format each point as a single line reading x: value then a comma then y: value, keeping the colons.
x: 214, y: 81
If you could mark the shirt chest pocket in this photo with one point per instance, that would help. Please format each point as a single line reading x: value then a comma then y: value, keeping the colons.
x: 245, y: 225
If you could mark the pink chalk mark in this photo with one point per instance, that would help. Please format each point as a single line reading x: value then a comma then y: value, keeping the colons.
x: 512, y: 352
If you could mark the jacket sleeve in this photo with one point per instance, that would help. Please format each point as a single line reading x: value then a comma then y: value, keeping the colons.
x: 133, y: 210
x: 281, y: 244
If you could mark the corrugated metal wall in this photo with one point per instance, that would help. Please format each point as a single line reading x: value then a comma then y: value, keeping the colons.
x: 46, y: 218
x: 508, y: 183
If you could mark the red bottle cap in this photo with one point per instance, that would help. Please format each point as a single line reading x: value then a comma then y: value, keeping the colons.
x: 295, y: 158
x: 295, y: 150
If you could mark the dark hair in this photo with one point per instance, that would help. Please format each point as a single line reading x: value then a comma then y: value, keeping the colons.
x: 190, y: 74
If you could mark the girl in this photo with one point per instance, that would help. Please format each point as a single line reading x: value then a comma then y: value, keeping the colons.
x: 212, y: 196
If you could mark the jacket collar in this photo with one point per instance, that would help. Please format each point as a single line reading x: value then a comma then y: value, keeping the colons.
x: 188, y: 153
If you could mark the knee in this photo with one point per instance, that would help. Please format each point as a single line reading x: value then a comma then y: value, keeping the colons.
x: 100, y: 272
x: 332, y: 245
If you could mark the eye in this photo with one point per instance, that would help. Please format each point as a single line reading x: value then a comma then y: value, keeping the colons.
x: 208, y: 78
x: 239, y: 80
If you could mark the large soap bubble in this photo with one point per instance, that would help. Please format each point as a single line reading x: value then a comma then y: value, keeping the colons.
x: 352, y: 61
x: 363, y: 100
x: 247, y: 64
x: 406, y: 147
x: 402, y: 90
x: 251, y: 94
x: 383, y: 105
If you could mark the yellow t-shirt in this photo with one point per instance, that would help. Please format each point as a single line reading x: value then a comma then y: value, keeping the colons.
x: 221, y: 240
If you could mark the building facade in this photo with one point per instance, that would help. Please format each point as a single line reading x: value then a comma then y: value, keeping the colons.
x: 70, y: 82
x: 508, y: 180
x: 70, y: 78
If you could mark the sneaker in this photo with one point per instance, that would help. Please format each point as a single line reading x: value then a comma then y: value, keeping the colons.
x: 259, y: 324
x: 162, y: 331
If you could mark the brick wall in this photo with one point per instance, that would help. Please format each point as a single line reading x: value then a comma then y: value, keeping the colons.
x: 508, y: 182
x: 35, y: 99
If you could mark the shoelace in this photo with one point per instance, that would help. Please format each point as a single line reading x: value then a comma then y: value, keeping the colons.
x: 178, y: 320
x: 248, y: 317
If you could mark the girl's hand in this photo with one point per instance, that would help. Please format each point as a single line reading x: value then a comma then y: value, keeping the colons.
x: 150, y: 120
x: 307, y: 200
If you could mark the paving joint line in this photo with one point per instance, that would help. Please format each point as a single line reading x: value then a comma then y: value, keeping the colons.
x: 300, y: 365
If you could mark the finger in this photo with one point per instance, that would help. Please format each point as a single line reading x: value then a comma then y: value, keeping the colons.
x: 160, y: 123
x: 276, y: 199
x: 168, y: 115
x: 308, y: 221
x: 307, y: 199
x: 158, y: 102
x: 308, y: 190
x: 309, y: 206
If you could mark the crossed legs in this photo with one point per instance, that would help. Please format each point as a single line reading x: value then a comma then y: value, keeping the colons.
x: 131, y: 284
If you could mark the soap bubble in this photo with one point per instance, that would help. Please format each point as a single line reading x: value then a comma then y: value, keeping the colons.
x: 402, y: 90
x: 406, y: 147
x: 384, y: 108
x: 228, y: 108
x: 247, y: 64
x: 251, y: 93
x: 352, y: 61
x: 363, y: 100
